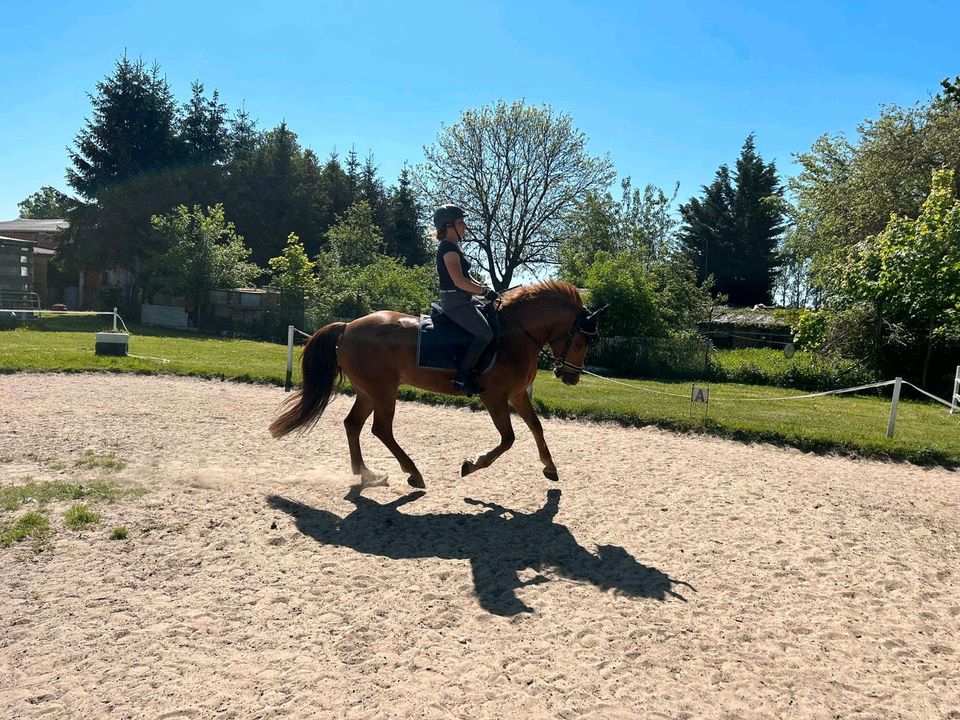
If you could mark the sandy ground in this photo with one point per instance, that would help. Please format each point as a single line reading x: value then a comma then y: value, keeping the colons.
x: 674, y: 577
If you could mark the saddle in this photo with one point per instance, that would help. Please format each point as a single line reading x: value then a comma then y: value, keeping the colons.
x: 441, y: 343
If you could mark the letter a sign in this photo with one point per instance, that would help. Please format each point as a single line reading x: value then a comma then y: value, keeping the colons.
x: 700, y: 395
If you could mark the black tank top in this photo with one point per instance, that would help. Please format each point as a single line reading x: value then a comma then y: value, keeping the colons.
x: 446, y: 282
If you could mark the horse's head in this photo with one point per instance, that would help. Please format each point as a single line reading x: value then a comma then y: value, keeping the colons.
x: 570, y: 349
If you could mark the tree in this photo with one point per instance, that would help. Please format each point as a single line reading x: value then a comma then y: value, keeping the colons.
x: 274, y: 190
x: 201, y: 252
x: 370, y: 189
x: 356, y: 240
x: 131, y: 132
x: 734, y: 231
x: 706, y: 237
x: 292, y: 272
x: 517, y: 171
x: 204, y: 128
x: 911, y: 270
x: 951, y: 89
x: 123, y: 160
x: 847, y: 189
x: 404, y: 234
x: 640, y: 222
x: 383, y: 284
x: 624, y: 284
x: 47, y: 203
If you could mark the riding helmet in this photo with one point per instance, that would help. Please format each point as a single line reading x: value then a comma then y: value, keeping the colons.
x: 446, y: 214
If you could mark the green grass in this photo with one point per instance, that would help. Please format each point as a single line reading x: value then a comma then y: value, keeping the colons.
x: 30, y: 525
x: 107, y: 461
x: 187, y: 354
x: 79, y: 517
x: 925, y: 432
x: 41, y: 493
x: 119, y: 533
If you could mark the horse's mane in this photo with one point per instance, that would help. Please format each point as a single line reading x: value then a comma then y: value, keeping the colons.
x: 557, y: 288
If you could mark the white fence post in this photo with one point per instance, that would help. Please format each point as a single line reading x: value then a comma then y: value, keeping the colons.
x: 955, y: 398
x: 114, y: 319
x: 289, y: 384
x: 893, y: 407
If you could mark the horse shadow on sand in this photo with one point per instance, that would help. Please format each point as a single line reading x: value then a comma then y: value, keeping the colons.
x: 499, y: 543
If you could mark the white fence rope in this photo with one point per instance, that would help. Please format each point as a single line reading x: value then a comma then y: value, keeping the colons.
x: 934, y: 397
x: 635, y: 387
x: 812, y: 395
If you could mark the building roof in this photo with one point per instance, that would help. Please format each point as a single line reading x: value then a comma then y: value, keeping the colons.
x: 746, y: 317
x: 15, y: 241
x: 43, y: 226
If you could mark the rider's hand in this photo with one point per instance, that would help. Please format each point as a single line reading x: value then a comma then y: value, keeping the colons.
x: 491, y: 295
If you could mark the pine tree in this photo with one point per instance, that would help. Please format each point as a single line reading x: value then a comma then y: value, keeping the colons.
x: 405, y: 235
x: 732, y: 233
x: 123, y: 163
x: 707, y: 233
x: 759, y: 219
x: 131, y: 132
x: 371, y: 190
x: 335, y: 186
x: 353, y: 175
x: 203, y: 128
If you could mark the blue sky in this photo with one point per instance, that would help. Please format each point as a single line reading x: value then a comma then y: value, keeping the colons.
x: 670, y: 90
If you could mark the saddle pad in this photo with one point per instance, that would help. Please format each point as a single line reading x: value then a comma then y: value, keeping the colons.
x: 441, y: 345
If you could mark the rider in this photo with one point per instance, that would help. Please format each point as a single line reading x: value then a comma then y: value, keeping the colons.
x: 457, y: 289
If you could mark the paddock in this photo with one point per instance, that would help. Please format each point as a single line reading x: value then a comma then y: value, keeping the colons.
x: 673, y: 576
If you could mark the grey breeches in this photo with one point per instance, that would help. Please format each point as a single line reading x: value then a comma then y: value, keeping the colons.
x: 468, y: 316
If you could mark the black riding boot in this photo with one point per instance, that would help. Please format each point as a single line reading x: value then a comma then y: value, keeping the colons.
x: 468, y: 379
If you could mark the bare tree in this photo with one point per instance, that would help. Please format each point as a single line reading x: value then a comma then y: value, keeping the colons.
x: 517, y: 171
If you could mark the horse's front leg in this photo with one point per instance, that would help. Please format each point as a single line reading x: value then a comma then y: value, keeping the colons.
x: 524, y: 408
x: 500, y: 413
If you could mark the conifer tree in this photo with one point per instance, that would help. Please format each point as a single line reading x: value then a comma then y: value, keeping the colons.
x: 121, y: 165
x: 405, y: 236
x: 732, y: 232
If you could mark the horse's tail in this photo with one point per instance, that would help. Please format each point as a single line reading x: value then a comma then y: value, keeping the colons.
x: 320, y: 372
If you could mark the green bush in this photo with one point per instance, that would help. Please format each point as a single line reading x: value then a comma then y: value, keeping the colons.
x: 804, y: 371
x: 809, y: 331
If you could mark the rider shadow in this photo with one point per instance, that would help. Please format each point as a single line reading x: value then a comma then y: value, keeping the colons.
x: 499, y: 543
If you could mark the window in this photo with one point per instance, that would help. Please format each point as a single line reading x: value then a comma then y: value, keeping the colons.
x: 24, y: 272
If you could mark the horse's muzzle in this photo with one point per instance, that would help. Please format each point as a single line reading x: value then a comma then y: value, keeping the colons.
x: 570, y: 378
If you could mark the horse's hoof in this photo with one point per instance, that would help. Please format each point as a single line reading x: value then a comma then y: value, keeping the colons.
x: 551, y: 474
x: 466, y: 468
x: 416, y: 481
x: 369, y: 478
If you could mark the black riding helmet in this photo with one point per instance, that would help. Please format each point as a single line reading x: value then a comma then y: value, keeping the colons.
x: 445, y: 215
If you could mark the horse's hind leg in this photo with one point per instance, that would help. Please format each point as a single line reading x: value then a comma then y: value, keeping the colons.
x: 383, y: 413
x: 353, y: 423
x: 500, y: 413
x: 521, y: 402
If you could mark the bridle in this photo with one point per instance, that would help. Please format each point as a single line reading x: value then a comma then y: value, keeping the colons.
x: 586, y: 324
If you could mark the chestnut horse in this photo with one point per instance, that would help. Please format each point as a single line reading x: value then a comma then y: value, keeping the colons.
x: 378, y: 352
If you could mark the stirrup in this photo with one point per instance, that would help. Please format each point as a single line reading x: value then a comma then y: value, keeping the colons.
x: 469, y: 384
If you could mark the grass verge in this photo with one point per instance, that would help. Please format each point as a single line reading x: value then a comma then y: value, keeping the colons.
x: 42, y: 493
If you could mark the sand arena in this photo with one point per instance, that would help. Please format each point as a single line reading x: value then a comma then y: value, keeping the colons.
x: 670, y: 577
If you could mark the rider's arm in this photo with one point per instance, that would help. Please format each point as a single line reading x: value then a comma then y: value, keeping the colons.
x: 452, y: 261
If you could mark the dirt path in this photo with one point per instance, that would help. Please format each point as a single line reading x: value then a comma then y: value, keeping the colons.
x: 674, y: 577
